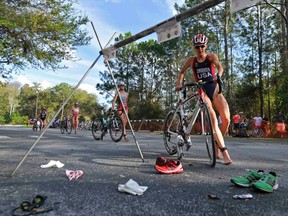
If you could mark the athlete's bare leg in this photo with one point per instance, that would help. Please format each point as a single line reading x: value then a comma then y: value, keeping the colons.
x: 218, y: 133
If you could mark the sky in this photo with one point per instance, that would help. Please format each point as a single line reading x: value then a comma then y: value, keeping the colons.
x: 108, y: 17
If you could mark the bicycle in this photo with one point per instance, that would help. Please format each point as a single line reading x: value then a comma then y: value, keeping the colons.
x: 243, y: 132
x: 181, y: 123
x: 108, y: 122
x: 66, y: 125
x: 257, y: 132
x: 36, y: 125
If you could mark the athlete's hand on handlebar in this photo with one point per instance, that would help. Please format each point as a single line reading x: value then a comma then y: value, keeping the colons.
x: 220, y: 83
x: 178, y: 87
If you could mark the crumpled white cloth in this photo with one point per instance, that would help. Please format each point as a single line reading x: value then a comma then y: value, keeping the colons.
x: 52, y: 163
x: 71, y: 174
x: 132, y: 187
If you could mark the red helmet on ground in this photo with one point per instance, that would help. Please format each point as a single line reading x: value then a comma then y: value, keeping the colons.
x: 199, y: 40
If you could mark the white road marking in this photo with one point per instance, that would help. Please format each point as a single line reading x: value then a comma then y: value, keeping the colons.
x: 5, y: 137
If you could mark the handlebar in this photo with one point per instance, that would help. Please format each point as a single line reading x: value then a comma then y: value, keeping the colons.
x: 197, y: 84
x: 200, y: 84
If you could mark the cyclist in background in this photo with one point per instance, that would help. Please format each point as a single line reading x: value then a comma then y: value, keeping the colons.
x: 120, y: 109
x: 203, y: 68
x: 42, y: 117
x: 75, y: 116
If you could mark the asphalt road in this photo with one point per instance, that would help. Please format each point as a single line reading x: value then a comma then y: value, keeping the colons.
x: 106, y: 165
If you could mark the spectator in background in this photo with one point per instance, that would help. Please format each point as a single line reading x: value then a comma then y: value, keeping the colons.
x: 280, y: 123
x: 280, y: 118
x: 236, y: 119
x: 242, y: 119
x: 257, y: 121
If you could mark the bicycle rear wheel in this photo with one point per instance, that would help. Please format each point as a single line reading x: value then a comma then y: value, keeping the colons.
x: 206, y: 133
x: 116, y: 128
x: 97, y: 128
x: 69, y: 127
x: 172, y: 126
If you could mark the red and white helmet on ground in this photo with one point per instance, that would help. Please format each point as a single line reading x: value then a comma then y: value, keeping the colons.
x: 199, y: 40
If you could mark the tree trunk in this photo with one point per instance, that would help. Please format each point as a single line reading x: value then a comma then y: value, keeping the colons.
x: 284, y: 26
x: 260, y: 44
x: 226, y: 33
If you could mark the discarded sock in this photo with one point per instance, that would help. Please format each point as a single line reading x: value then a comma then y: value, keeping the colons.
x: 132, y: 187
x: 52, y: 163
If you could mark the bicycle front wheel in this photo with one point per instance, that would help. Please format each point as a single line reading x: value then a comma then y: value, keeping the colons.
x: 97, y: 128
x: 172, y: 126
x: 116, y: 128
x: 62, y: 129
x: 69, y: 127
x: 257, y: 132
x: 206, y: 133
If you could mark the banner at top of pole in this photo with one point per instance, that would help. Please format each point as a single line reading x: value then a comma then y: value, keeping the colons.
x: 168, y: 31
x: 109, y: 53
x: 190, y: 12
x: 237, y: 5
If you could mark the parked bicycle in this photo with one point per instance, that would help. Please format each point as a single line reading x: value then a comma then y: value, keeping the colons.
x: 183, y: 122
x: 257, y: 132
x: 66, y: 125
x: 243, y: 132
x: 109, y: 122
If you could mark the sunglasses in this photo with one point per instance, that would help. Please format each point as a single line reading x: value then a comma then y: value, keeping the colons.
x: 198, y: 47
x: 36, y: 202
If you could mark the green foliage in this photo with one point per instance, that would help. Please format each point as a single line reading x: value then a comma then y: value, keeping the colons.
x: 2, y: 119
x: 39, y: 34
x: 30, y: 100
x: 16, y: 119
x: 252, y: 49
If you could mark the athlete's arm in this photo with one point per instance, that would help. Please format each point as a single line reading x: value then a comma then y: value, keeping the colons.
x: 214, y: 59
x: 187, y: 64
x: 114, y: 101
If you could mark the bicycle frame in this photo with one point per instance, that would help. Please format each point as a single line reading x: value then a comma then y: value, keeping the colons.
x: 180, y: 109
x: 178, y: 125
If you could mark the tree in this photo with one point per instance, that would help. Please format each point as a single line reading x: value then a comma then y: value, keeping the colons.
x: 12, y: 93
x: 141, y: 66
x: 39, y: 34
x: 27, y: 101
